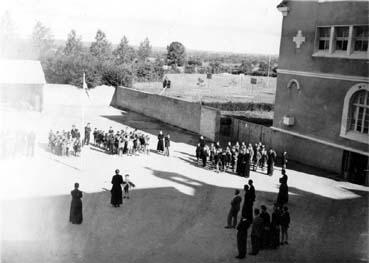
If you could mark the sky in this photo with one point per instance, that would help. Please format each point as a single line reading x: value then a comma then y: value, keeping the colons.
x: 214, y: 25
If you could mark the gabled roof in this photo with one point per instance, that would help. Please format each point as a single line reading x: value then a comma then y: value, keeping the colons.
x: 21, y: 72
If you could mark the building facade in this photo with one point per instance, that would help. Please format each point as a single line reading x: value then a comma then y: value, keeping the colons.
x: 322, y: 100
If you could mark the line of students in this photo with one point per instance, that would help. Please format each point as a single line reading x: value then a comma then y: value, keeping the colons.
x: 237, y: 158
x: 123, y: 142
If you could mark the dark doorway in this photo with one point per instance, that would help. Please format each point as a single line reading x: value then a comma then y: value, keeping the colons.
x: 225, y: 130
x: 355, y: 168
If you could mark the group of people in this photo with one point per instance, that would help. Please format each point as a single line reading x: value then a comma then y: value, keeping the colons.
x: 123, y: 142
x: 17, y: 143
x: 163, y: 144
x: 166, y: 83
x: 65, y: 143
x: 237, y: 158
x: 116, y: 200
x: 266, y: 231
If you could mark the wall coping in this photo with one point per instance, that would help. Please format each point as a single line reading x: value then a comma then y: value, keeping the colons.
x: 332, y: 144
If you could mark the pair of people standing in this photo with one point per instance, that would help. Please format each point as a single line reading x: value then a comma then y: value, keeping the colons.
x: 163, y: 144
x: 116, y: 190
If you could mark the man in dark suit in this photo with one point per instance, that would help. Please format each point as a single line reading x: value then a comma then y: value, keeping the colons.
x: 242, y: 237
x: 266, y: 229
x: 233, y: 212
x: 256, y: 232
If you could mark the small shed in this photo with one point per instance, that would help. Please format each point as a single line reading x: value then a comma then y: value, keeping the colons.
x: 21, y: 84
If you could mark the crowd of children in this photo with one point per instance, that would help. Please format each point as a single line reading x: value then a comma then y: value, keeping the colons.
x: 65, y: 143
x: 123, y: 142
x: 237, y: 158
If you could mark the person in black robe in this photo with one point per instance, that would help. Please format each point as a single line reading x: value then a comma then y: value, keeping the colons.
x: 246, y: 170
x: 275, y: 227
x: 252, y: 190
x: 75, y: 216
x: 160, y: 146
x: 266, y: 227
x: 165, y: 81
x: 116, y: 191
x: 284, y: 177
x: 282, y: 198
x: 270, y: 161
x: 242, y: 237
x: 248, y: 203
x: 241, y: 163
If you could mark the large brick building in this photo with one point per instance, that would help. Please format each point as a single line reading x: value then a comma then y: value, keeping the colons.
x: 322, y: 99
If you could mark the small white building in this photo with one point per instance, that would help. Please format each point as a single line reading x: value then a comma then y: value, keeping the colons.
x: 21, y: 84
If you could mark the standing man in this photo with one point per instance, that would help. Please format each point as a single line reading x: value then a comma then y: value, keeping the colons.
x: 233, y: 212
x: 247, y: 204
x: 87, y: 134
x: 116, y: 191
x: 266, y: 227
x: 252, y: 190
x: 242, y: 237
x: 165, y: 82
x: 270, y: 161
x: 166, y: 145
x: 256, y: 232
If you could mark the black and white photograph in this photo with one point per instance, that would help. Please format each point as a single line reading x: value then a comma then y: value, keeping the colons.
x: 190, y: 131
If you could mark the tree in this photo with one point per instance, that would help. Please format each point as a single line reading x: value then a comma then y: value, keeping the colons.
x: 124, y: 53
x: 101, y: 47
x: 176, y: 54
x: 7, y: 35
x: 42, y: 39
x: 73, y: 45
x: 144, y: 50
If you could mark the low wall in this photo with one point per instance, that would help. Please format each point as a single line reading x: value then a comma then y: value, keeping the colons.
x: 184, y: 114
x: 308, y: 152
x: 299, y: 149
x: 210, y: 122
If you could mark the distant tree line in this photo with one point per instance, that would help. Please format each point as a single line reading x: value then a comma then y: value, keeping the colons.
x: 64, y: 62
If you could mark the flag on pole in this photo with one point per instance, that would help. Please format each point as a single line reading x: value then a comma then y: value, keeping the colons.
x: 84, y: 85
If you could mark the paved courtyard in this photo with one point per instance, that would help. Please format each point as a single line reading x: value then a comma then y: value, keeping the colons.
x: 177, y: 212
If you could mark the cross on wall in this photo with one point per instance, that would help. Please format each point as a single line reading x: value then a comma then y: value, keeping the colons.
x: 299, y: 39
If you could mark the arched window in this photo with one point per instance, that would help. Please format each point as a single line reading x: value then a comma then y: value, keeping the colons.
x: 355, y: 115
x: 359, y: 112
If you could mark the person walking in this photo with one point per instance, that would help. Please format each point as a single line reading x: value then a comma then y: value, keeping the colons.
x: 116, y: 190
x: 285, y: 223
x: 242, y: 238
x: 75, y: 216
x: 235, y: 208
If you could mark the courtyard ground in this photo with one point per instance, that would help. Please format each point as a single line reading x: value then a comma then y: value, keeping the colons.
x: 177, y: 212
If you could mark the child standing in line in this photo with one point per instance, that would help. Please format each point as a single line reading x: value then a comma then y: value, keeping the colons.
x: 127, y: 186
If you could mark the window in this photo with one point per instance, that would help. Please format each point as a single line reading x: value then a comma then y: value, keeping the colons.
x: 342, y: 37
x: 355, y: 114
x: 361, y: 38
x: 349, y: 41
x: 359, y: 112
x: 324, y: 36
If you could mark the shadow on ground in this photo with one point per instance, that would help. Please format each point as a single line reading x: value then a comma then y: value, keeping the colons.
x: 164, y: 225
